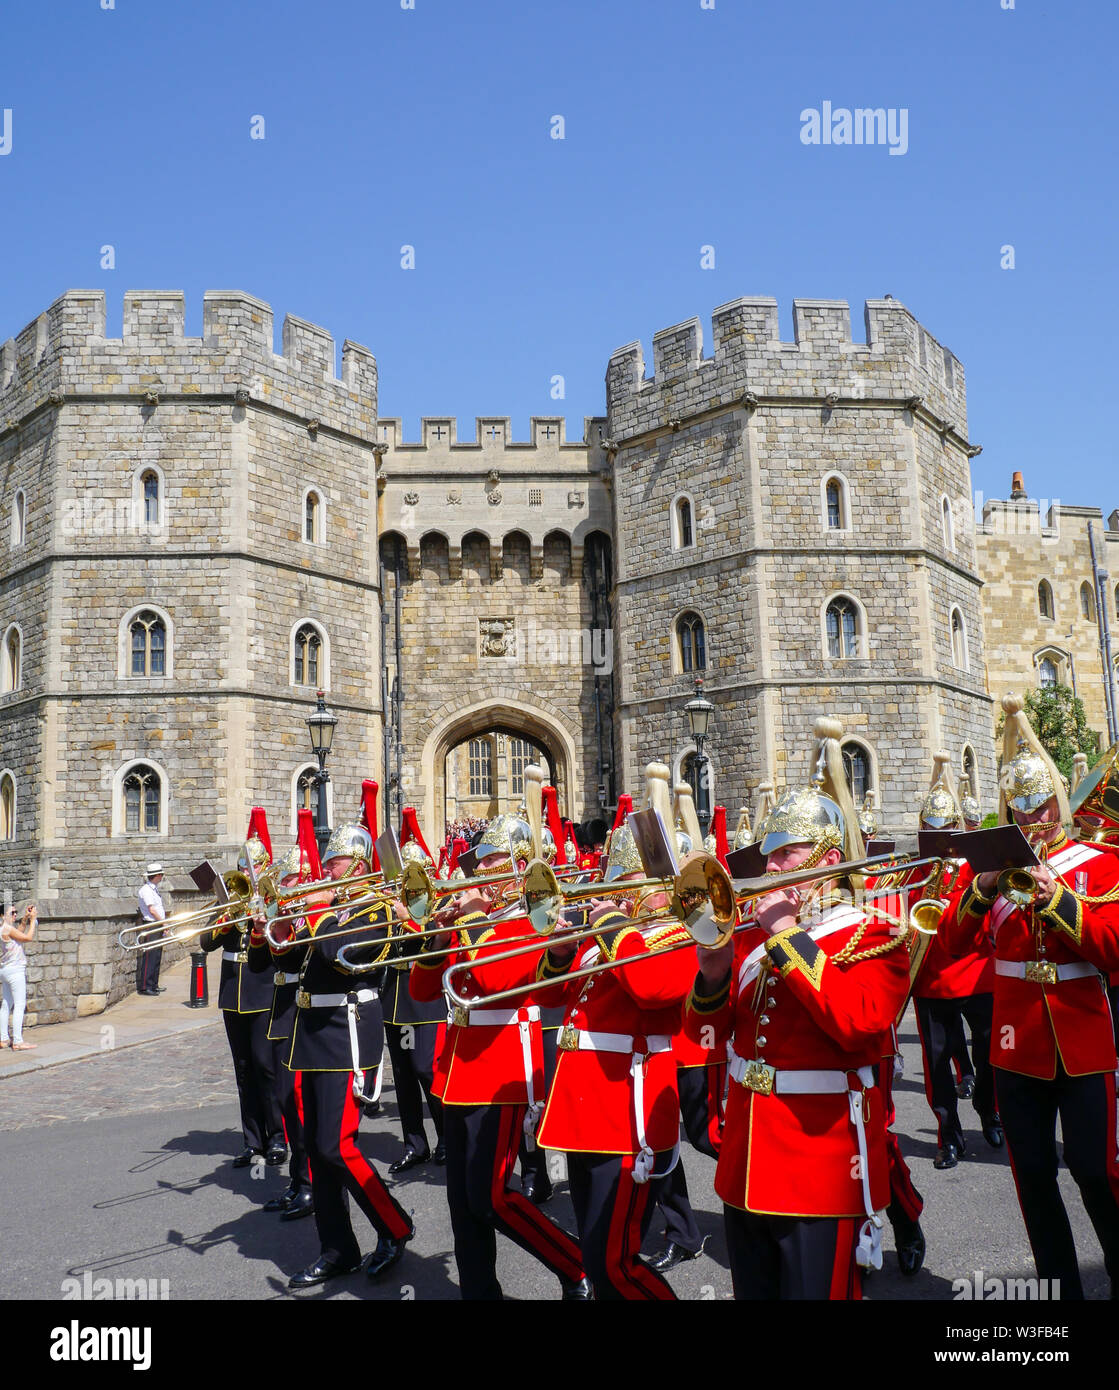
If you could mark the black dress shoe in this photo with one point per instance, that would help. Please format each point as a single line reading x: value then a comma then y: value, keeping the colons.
x: 388, y: 1252
x: 302, y: 1204
x: 410, y: 1158
x: 580, y: 1292
x: 946, y: 1157
x: 322, y: 1270
x: 160, y: 989
x: 371, y: 1108
x: 537, y: 1189
x: 673, y: 1255
x: 440, y: 1154
x: 283, y: 1201
x: 910, y: 1246
x: 992, y: 1129
x: 277, y: 1154
x: 965, y: 1087
x: 245, y: 1158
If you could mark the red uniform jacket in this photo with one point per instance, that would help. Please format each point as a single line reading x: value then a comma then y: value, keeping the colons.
x: 591, y: 1106
x: 1035, y: 1022
x: 797, y: 1003
x: 483, y: 1063
x: 945, y: 976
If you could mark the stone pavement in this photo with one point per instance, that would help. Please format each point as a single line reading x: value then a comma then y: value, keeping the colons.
x: 134, y: 1020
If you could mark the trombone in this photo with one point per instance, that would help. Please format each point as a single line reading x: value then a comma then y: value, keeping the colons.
x: 149, y: 935
x: 710, y: 914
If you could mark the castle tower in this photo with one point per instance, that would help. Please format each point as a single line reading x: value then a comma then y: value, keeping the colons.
x: 193, y: 552
x: 794, y: 520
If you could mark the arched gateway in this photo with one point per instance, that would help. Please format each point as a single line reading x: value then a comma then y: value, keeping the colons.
x: 538, y: 725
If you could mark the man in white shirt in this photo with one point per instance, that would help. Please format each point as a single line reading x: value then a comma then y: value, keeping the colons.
x: 152, y: 910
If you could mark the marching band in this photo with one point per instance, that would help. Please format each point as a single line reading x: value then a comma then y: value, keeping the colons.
x: 538, y: 1001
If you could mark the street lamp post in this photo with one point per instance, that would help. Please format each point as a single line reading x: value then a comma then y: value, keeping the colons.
x: 699, y: 712
x: 321, y: 727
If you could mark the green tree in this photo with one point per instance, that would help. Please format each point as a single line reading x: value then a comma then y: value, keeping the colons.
x: 1058, y: 719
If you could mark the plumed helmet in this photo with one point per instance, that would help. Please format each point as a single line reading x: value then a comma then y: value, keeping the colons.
x: 870, y: 822
x: 413, y: 853
x: 939, y: 810
x: 623, y: 857
x: 821, y: 815
x: 969, y: 806
x: 804, y: 816
x: 1026, y: 780
x: 288, y: 862
x: 497, y: 834
x: 349, y: 841
x: 743, y: 834
x: 1028, y: 777
x: 258, y: 854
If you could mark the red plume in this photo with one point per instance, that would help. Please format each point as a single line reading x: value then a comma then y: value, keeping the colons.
x: 310, y: 866
x: 459, y: 845
x: 554, y: 824
x: 625, y: 808
x: 410, y: 830
x: 719, y: 830
x: 258, y: 826
x: 368, y: 818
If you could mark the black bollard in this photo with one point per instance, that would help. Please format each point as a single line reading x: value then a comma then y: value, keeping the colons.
x: 199, y: 984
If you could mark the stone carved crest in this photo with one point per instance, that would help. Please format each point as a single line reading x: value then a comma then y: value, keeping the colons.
x: 575, y: 499
x: 497, y: 637
x: 454, y: 496
x: 411, y: 499
x: 494, y: 498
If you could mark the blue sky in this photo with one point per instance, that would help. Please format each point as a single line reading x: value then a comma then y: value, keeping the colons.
x: 536, y: 257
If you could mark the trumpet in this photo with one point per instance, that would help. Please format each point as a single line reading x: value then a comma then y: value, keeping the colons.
x: 1019, y: 886
x: 925, y: 914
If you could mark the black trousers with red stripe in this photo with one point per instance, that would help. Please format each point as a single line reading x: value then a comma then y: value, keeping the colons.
x: 339, y: 1169
x: 288, y: 1094
x: 261, y: 1122
x: 792, y: 1257
x: 613, y: 1213
x: 1029, y: 1107
x: 412, y: 1052
x: 940, y: 1023
x: 701, y: 1106
x: 482, y: 1145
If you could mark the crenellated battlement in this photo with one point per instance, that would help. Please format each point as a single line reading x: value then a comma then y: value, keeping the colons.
x: 493, y: 434
x: 65, y: 349
x: 900, y: 359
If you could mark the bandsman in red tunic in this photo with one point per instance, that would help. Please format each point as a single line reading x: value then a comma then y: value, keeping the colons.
x: 614, y: 1107
x: 949, y: 990
x: 1052, y: 1043
x: 489, y: 1075
x: 804, y: 1001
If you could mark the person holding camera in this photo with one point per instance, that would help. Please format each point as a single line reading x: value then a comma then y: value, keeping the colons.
x: 13, y: 974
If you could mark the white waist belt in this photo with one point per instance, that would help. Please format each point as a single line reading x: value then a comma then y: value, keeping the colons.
x: 524, y: 1018
x: 757, y: 1076
x: 281, y: 979
x: 492, y: 1018
x: 241, y: 956
x: 582, y: 1040
x: 573, y: 1039
x: 334, y: 1001
x: 1044, y: 972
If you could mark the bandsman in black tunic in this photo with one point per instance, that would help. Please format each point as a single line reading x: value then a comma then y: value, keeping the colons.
x: 337, y: 1043
x: 411, y: 1031
x: 245, y: 1000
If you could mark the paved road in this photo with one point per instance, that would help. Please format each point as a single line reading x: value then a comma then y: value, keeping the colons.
x: 119, y: 1165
